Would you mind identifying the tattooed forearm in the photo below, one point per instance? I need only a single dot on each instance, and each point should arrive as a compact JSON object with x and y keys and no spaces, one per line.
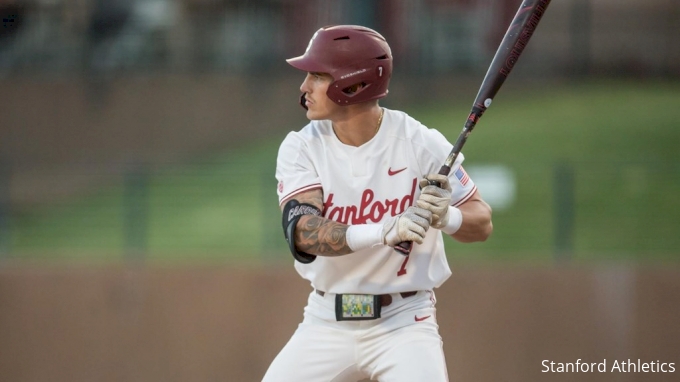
{"x":320,"y":236}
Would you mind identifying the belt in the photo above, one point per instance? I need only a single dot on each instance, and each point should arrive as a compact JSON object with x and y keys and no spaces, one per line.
{"x":385,"y":299}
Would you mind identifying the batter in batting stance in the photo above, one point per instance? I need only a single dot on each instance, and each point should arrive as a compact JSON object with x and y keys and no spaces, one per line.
{"x":350,"y":191}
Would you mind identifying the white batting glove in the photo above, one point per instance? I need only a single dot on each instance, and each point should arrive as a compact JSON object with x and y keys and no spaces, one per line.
{"x":436,"y":199}
{"x":411,"y":225}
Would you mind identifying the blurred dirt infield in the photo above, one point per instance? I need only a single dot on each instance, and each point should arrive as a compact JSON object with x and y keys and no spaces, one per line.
{"x":77,"y":323}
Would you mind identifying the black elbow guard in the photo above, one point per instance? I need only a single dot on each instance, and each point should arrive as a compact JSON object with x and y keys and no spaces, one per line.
{"x":292,"y":212}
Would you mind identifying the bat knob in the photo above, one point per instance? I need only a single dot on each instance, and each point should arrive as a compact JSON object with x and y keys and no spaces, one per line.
{"x":404,"y":247}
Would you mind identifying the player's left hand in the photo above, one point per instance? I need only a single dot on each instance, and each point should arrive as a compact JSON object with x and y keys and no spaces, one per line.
{"x":436,"y":199}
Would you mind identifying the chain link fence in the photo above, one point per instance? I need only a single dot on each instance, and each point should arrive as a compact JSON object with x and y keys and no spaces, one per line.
{"x":228,"y":211}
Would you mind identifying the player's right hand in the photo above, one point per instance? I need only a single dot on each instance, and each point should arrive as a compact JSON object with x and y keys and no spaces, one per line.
{"x":411,"y":225}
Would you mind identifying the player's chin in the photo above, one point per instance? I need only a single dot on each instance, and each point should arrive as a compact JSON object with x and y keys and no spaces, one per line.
{"x":315,"y":115}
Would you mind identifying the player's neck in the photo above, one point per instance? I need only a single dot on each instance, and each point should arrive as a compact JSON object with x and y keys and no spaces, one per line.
{"x":358,"y":125}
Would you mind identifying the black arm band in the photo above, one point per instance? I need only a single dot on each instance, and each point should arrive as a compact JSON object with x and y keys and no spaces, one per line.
{"x":292,"y":212}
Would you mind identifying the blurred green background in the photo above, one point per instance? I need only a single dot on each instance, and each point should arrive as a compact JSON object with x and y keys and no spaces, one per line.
{"x":608,"y":149}
{"x":148,"y":130}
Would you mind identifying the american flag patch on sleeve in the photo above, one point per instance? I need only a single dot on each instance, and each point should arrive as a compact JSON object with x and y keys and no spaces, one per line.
{"x":462,"y":176}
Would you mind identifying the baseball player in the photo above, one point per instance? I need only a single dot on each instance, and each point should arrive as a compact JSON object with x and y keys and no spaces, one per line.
{"x":352,"y":185}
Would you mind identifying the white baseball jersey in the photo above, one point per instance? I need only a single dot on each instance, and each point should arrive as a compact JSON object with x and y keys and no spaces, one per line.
{"x":367,"y":184}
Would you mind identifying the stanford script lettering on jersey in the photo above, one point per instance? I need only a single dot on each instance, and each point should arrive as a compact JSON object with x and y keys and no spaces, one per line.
{"x":369,"y":210}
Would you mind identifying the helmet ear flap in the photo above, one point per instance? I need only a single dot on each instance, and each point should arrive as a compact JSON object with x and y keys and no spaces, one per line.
{"x":347,"y":91}
{"x":350,"y":90}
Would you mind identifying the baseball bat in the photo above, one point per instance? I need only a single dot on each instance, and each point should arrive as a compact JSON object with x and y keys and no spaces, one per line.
{"x":516,"y":38}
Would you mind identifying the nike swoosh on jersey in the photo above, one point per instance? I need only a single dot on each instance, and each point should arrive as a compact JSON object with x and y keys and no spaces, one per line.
{"x":418,"y":319}
{"x":390,"y":172}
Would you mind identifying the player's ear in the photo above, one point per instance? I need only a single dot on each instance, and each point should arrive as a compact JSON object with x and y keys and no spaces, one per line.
{"x":354,"y":88}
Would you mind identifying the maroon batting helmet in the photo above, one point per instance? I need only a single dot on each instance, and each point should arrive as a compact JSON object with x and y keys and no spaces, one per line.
{"x":352,"y":55}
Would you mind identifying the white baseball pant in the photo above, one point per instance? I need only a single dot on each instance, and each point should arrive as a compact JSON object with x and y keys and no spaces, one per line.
{"x":403,"y":345}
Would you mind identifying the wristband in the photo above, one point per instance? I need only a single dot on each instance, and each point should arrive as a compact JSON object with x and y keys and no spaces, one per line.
{"x":362,"y":236}
{"x":455,"y":221}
